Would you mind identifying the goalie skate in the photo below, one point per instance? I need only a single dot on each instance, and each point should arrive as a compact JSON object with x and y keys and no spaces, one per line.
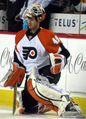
{"x":73,"y":110}
{"x":42,"y":109}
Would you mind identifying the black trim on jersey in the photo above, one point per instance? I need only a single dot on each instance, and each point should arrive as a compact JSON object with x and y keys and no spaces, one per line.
{"x":64,"y":51}
{"x":17,"y":61}
{"x":28,"y":32}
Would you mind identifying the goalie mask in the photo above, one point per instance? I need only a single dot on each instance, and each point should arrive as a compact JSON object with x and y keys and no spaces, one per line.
{"x":37,"y":12}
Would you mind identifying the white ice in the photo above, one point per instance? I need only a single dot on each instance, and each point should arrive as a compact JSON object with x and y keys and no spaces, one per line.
{"x":7,"y":114}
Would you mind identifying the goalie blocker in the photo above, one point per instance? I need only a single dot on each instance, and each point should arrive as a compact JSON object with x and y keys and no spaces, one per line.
{"x":14,"y":74}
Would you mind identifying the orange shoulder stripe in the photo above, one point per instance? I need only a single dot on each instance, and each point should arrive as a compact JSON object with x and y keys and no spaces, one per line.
{"x":19,"y":36}
{"x":46,"y":37}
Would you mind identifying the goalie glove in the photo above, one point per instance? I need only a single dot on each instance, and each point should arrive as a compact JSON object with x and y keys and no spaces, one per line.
{"x":57,"y":63}
{"x":14,"y":74}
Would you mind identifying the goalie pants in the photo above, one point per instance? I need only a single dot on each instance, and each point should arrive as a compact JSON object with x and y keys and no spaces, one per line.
{"x":29,"y":103}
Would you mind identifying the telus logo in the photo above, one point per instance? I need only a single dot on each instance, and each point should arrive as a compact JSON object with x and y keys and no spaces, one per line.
{"x":2,"y":19}
{"x":65,"y":22}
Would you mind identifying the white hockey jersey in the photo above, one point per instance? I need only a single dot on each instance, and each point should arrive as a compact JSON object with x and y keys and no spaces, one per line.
{"x":34,"y":51}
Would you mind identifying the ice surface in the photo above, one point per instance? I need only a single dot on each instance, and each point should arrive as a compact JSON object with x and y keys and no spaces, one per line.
{"x":7,"y":114}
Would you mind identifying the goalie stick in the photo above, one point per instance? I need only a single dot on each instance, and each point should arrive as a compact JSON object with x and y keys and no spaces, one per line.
{"x":14,"y":98}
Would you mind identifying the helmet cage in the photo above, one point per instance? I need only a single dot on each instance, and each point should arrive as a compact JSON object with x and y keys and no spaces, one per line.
{"x":37,"y":12}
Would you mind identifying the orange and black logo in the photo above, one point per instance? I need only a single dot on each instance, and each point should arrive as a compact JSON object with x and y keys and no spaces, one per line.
{"x":30,"y":52}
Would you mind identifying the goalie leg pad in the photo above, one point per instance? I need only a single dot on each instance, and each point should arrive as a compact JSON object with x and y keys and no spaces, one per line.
{"x":47,"y":94}
{"x":13,"y":75}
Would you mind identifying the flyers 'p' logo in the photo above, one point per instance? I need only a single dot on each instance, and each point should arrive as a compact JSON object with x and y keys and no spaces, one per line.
{"x":30,"y":52}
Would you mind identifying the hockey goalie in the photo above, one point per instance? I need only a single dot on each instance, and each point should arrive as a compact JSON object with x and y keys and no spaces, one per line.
{"x":41,"y":55}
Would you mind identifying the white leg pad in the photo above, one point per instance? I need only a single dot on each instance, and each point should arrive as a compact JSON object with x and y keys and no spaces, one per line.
{"x":48,"y":94}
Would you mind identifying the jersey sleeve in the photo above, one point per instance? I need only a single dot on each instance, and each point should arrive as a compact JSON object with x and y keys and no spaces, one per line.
{"x":49,"y":40}
{"x":17,"y":57}
{"x":18,"y":37}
